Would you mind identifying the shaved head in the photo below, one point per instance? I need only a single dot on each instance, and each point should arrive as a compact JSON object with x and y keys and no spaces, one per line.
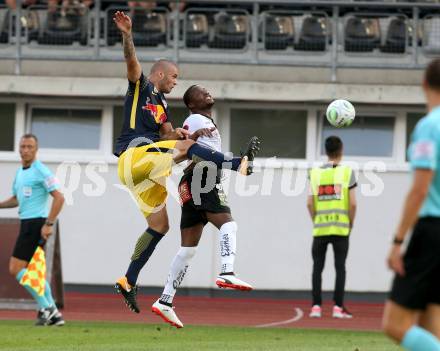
{"x":163,"y":75}
{"x":162,"y":66}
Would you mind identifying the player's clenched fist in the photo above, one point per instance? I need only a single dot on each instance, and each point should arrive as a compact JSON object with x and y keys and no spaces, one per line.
{"x":123,"y":22}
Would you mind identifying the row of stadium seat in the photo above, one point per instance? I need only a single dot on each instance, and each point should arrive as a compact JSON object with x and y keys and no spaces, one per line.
{"x":226,"y":30}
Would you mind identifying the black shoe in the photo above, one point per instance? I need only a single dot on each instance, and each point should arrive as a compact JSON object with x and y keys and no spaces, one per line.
{"x":57,"y":319}
{"x":122,"y":287}
{"x":248,"y":156}
{"x":44,"y":316}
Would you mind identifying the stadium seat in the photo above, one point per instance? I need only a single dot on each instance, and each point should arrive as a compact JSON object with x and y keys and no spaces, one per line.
{"x":64,"y":27}
{"x":314,"y":34}
{"x":431,"y":34}
{"x":230,"y":31}
{"x":361,"y":34}
{"x":396,"y":37}
{"x":279,"y":32}
{"x":196,"y":30}
{"x":149,"y":28}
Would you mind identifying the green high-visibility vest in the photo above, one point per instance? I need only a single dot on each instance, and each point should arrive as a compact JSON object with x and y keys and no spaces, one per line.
{"x":330,"y":188}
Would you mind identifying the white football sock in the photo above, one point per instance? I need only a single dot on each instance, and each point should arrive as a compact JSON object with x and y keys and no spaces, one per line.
{"x":228,"y":246}
{"x":177,"y":272}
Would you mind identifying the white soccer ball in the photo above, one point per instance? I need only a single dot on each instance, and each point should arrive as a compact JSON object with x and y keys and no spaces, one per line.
{"x":340,"y":113}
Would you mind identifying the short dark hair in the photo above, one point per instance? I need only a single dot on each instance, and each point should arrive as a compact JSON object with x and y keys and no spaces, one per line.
{"x":333,"y":146}
{"x":30,"y":136}
{"x":432,"y":75}
{"x":188,"y":95}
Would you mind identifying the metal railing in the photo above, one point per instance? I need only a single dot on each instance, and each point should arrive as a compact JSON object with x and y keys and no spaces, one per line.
{"x":308,"y":33}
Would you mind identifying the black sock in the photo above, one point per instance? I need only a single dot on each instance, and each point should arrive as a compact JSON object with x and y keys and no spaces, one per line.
{"x":144,"y":248}
{"x":199,"y":153}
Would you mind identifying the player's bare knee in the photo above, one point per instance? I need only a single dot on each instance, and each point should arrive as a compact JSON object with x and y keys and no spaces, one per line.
{"x":190,"y":242}
{"x":162,"y":228}
{"x":394,"y":330}
{"x":14,"y":268}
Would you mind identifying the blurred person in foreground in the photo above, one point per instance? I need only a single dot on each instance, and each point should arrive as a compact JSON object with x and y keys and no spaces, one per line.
{"x":412,"y":312}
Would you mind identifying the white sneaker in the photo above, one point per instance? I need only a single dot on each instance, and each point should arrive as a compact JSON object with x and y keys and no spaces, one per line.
{"x":167,"y":313}
{"x":341,"y":312}
{"x":315,"y":312}
{"x":230,"y":281}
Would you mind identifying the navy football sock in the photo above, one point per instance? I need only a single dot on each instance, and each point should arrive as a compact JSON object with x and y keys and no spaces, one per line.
{"x":198,"y":153}
{"x":144,"y":248}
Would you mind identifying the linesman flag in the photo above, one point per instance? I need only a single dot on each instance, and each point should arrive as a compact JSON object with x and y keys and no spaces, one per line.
{"x":35,"y":275}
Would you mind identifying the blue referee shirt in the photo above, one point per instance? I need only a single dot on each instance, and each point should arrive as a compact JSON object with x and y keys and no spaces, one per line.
{"x":31,"y":188}
{"x":424,"y":153}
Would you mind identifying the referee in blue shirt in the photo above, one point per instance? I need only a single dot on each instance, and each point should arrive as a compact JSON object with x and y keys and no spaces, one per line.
{"x":412,"y":313}
{"x":30,"y":191}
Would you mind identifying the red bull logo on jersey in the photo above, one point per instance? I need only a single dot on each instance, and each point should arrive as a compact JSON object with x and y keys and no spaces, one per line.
{"x":157,"y":111}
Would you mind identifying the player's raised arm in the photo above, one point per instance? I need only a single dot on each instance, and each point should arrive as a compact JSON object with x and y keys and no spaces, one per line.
{"x":134,"y":69}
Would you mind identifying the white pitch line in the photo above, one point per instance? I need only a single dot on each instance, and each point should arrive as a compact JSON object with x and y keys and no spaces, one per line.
{"x":298,"y":316}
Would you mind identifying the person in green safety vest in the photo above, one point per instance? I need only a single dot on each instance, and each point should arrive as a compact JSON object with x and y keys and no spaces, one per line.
{"x":332,"y":207}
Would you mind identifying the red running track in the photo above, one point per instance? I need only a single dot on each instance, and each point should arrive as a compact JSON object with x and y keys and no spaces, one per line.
{"x":213,"y":311}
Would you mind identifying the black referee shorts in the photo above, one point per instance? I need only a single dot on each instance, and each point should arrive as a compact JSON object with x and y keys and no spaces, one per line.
{"x":420,"y":285}
{"x":28,"y":238}
{"x":213,"y":201}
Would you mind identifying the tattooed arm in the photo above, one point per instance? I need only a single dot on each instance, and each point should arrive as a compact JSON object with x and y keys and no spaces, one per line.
{"x":134,"y":69}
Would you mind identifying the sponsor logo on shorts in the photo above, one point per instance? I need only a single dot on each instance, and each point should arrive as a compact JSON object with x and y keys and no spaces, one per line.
{"x":184,"y":192}
{"x":221,"y":195}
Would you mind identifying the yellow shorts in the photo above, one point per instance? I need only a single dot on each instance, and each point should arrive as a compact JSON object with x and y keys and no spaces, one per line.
{"x":143,"y":170}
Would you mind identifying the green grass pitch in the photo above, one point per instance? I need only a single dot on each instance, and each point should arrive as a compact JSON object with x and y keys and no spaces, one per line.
{"x":106,"y":336}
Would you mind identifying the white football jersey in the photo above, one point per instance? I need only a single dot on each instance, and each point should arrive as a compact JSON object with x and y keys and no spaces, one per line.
{"x":195,"y":122}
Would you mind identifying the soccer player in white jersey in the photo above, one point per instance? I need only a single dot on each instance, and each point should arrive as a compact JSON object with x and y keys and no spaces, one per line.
{"x":200,"y":207}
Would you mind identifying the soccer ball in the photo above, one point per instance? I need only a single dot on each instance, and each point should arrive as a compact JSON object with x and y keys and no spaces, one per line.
{"x":340,"y":113}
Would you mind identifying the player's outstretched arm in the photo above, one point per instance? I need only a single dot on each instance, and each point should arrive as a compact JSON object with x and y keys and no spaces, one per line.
{"x":9,"y":203}
{"x":134,"y":69}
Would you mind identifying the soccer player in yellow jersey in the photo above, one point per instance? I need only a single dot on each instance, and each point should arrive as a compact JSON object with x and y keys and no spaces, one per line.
{"x":148,"y":146}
